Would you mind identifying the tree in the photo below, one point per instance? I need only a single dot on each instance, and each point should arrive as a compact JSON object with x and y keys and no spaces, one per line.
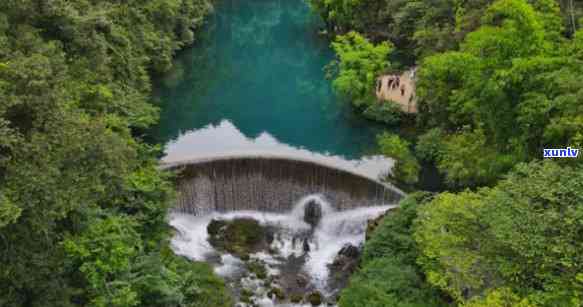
{"x":516,"y":243}
{"x":406,"y":167}
{"x":504,"y":96}
{"x":82,"y":203}
{"x":389,"y":275}
{"x":466,"y":160}
{"x":359,"y":64}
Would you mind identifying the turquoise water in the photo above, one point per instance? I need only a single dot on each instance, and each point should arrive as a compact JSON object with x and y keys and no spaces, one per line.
{"x":256,"y":77}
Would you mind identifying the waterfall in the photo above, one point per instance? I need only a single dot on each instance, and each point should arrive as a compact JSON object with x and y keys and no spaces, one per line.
{"x":287,"y":258}
{"x":272,"y":184}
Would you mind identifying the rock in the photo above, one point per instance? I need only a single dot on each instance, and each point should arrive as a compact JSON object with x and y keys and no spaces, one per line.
{"x":372,"y":224}
{"x":258,"y":268}
{"x":296,"y":298}
{"x":312,"y":213}
{"x":302,"y":280}
{"x":215,"y":227}
{"x":345,"y":263}
{"x":276,"y":293}
{"x":315,"y":298}
{"x":346,"y":260}
{"x":240,"y":236}
{"x":350,"y":251}
{"x":306,"y":246}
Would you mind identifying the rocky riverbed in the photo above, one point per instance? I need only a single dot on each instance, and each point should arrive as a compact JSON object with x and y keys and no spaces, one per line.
{"x":301,"y":258}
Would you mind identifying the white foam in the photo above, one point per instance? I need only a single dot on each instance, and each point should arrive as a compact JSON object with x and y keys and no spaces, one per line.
{"x":335,"y":229}
{"x":191,"y":237}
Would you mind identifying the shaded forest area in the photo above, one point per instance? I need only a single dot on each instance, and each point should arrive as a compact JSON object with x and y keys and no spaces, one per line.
{"x":82,"y":204}
{"x":498,"y":81}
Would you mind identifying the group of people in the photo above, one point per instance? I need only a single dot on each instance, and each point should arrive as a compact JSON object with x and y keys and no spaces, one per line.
{"x":393,"y":82}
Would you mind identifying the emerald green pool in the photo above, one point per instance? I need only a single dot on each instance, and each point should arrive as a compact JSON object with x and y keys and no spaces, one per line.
{"x":255,"y":78}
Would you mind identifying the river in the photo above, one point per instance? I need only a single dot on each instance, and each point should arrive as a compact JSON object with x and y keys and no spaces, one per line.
{"x":256,"y":77}
{"x":254,"y":83}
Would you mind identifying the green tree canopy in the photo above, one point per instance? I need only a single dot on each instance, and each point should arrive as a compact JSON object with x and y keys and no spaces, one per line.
{"x":517,"y":242}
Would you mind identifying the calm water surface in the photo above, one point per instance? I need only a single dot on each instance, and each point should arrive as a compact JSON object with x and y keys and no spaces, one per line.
{"x":255,"y":79}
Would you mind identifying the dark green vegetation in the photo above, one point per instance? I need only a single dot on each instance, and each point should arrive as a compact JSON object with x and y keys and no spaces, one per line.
{"x":82,"y":205}
{"x":498,"y":81}
{"x":504,"y":86}
{"x":516,"y":244}
{"x":314,"y":298}
{"x":389,"y":275}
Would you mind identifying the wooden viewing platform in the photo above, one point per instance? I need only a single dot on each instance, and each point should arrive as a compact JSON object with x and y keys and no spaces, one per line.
{"x":408,"y":101}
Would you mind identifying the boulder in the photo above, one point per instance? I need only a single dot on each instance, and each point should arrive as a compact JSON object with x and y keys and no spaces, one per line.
{"x":306,"y":246}
{"x":315,"y":298}
{"x":350,"y":251}
{"x":296,"y":298}
{"x":302,"y":280}
{"x":347,"y":259}
{"x":345,"y":263}
{"x":239,"y":236}
{"x":276,"y":293}
{"x":312,"y":213}
{"x":372,"y":224}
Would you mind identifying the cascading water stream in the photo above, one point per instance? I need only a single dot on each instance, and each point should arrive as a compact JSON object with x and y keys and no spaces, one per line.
{"x":252,"y":127}
{"x":298,"y":248}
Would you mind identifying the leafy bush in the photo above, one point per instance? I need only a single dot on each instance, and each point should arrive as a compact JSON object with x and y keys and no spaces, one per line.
{"x":389,"y":275}
{"x":517,"y":242}
{"x":385,"y":112}
{"x":406,"y":168}
{"x":359,"y":63}
{"x":82,"y":203}
{"x":429,"y":145}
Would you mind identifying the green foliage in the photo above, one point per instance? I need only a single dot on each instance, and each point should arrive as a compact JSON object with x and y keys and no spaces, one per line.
{"x":516,"y":243}
{"x":429,"y":145}
{"x":508,"y":93}
{"x":240,"y":236}
{"x":385,"y":112}
{"x":106,"y":251}
{"x":392,"y":238}
{"x":199,"y":286}
{"x":9,"y":212}
{"x":420,"y":28}
{"x":82,"y":204}
{"x":406,"y":168}
{"x":389,"y":275}
{"x":359,"y":64}
{"x":466,"y":160}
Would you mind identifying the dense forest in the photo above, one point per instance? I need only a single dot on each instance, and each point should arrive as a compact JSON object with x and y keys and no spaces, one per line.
{"x":498,"y":81}
{"x":82,"y":204}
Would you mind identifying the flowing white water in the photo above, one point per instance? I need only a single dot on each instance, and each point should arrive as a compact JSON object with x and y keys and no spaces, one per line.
{"x":335,"y":229}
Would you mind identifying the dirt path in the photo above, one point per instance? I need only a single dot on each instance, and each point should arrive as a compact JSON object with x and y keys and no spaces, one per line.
{"x":386,"y":94}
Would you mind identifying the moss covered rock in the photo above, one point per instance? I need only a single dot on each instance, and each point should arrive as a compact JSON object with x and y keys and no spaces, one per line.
{"x":258,"y":268}
{"x":239,"y":236}
{"x":246,"y":295}
{"x":315,"y":298}
{"x":296,"y":298}
{"x":277,"y":293}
